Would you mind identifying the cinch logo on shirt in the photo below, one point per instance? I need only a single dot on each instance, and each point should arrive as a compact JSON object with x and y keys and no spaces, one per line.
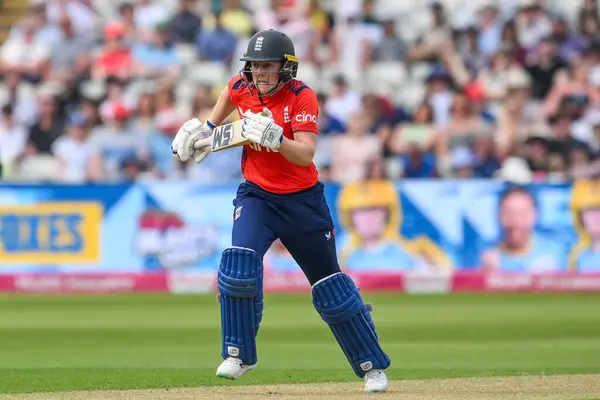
{"x":304,"y":117}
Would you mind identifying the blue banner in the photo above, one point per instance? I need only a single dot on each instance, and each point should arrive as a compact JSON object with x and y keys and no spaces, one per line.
{"x":380,"y":226}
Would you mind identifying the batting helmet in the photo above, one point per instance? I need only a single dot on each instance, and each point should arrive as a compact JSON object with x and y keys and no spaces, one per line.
{"x":271,"y":45}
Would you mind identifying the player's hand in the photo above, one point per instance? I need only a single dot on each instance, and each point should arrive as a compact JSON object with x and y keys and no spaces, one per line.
{"x":192,"y":141}
{"x":262,"y":129}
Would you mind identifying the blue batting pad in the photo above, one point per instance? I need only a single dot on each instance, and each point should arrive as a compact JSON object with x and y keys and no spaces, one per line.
{"x":241,"y":297}
{"x":338,"y":301}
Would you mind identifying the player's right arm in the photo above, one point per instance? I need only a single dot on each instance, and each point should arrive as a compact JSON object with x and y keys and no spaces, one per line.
{"x":223,"y":108}
{"x":193,"y":140}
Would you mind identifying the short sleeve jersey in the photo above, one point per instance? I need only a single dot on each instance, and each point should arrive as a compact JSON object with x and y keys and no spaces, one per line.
{"x":295,"y":108}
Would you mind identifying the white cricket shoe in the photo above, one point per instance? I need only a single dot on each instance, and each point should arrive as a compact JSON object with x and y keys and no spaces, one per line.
{"x":376,"y":381}
{"x":233,"y":368}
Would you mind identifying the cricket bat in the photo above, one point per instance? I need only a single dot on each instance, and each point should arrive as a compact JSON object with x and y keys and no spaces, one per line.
{"x":229,"y":135}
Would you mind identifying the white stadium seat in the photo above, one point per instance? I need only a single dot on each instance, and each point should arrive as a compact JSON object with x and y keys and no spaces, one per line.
{"x":209,"y":72}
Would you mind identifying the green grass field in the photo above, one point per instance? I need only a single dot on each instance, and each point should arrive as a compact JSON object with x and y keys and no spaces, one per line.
{"x":56,"y":343}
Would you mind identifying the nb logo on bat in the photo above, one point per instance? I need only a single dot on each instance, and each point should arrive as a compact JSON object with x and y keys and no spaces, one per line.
{"x":222,"y":136}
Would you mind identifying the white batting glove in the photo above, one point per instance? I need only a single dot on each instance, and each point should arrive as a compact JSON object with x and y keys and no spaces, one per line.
{"x":192,"y":141}
{"x":262,"y":129}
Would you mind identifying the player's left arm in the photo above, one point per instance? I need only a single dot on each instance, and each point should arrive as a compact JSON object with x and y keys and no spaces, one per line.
{"x":301,"y":150}
{"x":305,"y":112}
{"x":262,"y":129}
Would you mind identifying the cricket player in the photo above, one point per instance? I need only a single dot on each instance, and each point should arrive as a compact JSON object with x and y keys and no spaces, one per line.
{"x":281,"y":198}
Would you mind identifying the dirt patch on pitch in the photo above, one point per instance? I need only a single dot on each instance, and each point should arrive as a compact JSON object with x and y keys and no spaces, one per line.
{"x":563,"y":387}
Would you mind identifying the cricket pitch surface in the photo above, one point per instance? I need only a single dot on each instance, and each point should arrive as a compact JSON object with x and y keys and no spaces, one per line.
{"x":549,"y":387}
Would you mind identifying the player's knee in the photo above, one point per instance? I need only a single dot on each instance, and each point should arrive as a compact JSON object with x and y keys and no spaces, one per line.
{"x":240,"y":273}
{"x":337,"y":298}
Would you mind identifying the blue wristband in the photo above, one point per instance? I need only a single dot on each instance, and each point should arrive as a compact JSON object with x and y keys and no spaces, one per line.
{"x":210,"y":124}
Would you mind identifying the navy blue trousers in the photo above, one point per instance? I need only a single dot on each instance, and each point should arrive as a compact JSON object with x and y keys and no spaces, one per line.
{"x":301,"y":220}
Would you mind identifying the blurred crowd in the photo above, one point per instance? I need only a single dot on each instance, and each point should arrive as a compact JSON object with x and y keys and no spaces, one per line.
{"x":93,"y":91}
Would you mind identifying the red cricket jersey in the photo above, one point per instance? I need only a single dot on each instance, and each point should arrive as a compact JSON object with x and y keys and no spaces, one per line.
{"x":295,"y":108}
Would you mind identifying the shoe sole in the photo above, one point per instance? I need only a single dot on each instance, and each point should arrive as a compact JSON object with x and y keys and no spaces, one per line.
{"x":376,"y":391}
{"x":225,"y":375}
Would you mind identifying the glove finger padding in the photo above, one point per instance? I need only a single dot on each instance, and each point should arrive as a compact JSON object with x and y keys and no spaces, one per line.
{"x":185,"y":149}
{"x":203,"y":143}
{"x":267,"y":113}
{"x":202,"y":149}
{"x":200,"y":155}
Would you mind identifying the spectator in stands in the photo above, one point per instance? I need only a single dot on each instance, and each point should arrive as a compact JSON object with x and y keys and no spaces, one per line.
{"x":378,"y":113}
{"x":486,"y":159}
{"x":585,"y":163}
{"x":352,"y":151}
{"x":293,"y":19}
{"x":234,"y":18}
{"x":468,"y":49}
{"x":55,"y":43}
{"x":159,"y":142}
{"x":148,"y":14}
{"x":203,"y":102}
{"x":320,"y":19}
{"x":517,"y":119}
{"x":48,"y":127}
{"x":489,"y":30}
{"x":376,"y":170}
{"x":114,"y":143}
{"x":218,"y":44}
{"x":510,"y":42}
{"x":420,"y":132}
{"x":46,"y":32}
{"x":439,"y":95}
{"x":114,"y":59}
{"x":572,"y":85}
{"x":343,"y":100}
{"x":435,"y":38}
{"x":144,"y":116}
{"x":462,"y":161}
{"x":464,"y":129}
{"x":415,"y":164}
{"x":370,"y":24}
{"x":185,"y":24}
{"x":156,"y":58}
{"x":21,"y":97}
{"x":24,"y":54}
{"x":74,"y":151}
{"x":390,"y":48}
{"x":13,"y":137}
{"x":495,"y":79}
{"x":571,"y":46}
{"x":132,"y":169}
{"x":532,"y":23}
{"x":542,"y":66}
{"x":351,"y":45}
{"x":535,"y":151}
{"x":115,"y":95}
{"x":127,"y":13}
{"x":409,"y":148}
{"x":82,"y":15}
{"x":476,"y":96}
{"x":69,"y":59}
{"x":562,"y":141}
{"x":90,"y":110}
{"x":590,"y":28}
{"x":165,"y":98}
{"x":326,"y":122}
